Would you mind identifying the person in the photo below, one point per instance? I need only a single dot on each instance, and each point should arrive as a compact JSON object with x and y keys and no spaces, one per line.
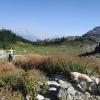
{"x":10,"y":55}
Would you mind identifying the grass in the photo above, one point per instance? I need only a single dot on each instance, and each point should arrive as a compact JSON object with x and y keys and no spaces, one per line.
{"x":23,"y":75}
{"x":23,"y":49}
{"x":59,"y":64}
{"x":15,"y":83}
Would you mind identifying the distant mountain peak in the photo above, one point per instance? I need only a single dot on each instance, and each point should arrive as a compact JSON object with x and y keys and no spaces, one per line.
{"x":97,"y":28}
{"x":94,"y":34}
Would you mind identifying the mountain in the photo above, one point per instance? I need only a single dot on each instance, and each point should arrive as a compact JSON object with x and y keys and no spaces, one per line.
{"x":8,"y":38}
{"x":93,"y":34}
{"x":30,"y":37}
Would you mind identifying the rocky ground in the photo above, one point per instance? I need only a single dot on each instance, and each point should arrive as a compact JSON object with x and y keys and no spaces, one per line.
{"x":59,"y":88}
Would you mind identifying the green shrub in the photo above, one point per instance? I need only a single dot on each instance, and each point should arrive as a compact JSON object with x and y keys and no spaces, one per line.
{"x":24,"y":65}
{"x":8,"y":95}
{"x":24,"y":82}
{"x":1,"y":83}
{"x":58,"y":66}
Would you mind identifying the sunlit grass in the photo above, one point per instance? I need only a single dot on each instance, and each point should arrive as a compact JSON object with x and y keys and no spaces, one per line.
{"x":58,"y":63}
{"x":47,"y":50}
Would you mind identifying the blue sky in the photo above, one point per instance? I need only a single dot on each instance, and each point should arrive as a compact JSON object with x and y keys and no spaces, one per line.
{"x":49,"y":18}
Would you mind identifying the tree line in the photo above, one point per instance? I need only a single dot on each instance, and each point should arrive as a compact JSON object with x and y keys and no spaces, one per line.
{"x":7,"y":38}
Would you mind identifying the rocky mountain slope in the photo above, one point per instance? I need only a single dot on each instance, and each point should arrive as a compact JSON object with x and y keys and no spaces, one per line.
{"x":93,"y":34}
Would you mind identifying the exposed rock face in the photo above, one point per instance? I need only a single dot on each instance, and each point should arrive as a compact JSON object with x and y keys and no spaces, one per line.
{"x":2,"y":54}
{"x":62,"y":89}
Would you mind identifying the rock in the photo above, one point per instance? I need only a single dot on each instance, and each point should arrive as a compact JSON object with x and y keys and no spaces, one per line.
{"x":64,"y":84}
{"x":2,"y":54}
{"x":52,"y":83}
{"x":46,"y":98}
{"x":95,"y":80}
{"x":27,"y":97}
{"x":62,"y":89}
{"x":93,"y":88}
{"x":86,"y":96}
{"x":99,"y":87}
{"x":83,"y":85}
{"x":60,"y":77}
{"x":53,"y":89}
{"x":39,"y":97}
{"x":69,"y":94}
{"x":71,"y":90}
{"x":62,"y":95}
{"x":98,"y":97}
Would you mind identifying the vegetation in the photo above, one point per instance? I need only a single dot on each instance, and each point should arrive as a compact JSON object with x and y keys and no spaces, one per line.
{"x":15,"y":83}
{"x":56,"y":46}
{"x":17,"y":79}
{"x":8,"y":38}
{"x":59,"y":64}
{"x":23,"y":49}
{"x":58,"y":56}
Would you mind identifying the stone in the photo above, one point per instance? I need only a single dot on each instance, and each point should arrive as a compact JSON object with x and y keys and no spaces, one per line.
{"x":83,"y":85}
{"x":52,"y":83}
{"x":46,"y":98}
{"x":2,"y":54}
{"x":62,"y":95}
{"x":98,"y":97}
{"x":99,"y":87}
{"x":62,"y":89}
{"x":39,"y":97}
{"x":93,"y":88}
{"x":86,"y":96}
{"x":64,"y":84}
{"x":27,"y":97}
{"x":95,"y":80}
{"x":53,"y":89}
{"x":71,"y":90}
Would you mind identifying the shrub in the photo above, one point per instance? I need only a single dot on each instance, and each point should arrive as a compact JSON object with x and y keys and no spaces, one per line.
{"x":59,"y":64}
{"x":8,"y":95}
{"x":24,"y":82}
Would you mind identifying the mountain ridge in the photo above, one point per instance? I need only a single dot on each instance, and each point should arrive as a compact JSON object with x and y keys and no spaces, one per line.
{"x":93,"y":34}
{"x":7,"y":38}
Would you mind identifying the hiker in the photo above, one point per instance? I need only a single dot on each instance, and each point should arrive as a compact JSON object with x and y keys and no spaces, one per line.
{"x":10,"y":55}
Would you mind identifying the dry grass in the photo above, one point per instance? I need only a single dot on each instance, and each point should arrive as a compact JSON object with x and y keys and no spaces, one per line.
{"x":14,"y":79}
{"x":6,"y":67}
{"x":26,"y":82}
{"x":74,"y":63}
{"x":92,"y":62}
{"x":36,"y":59}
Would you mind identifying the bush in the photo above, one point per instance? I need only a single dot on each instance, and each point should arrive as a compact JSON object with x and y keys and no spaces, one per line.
{"x":58,"y":66}
{"x":24,"y":82}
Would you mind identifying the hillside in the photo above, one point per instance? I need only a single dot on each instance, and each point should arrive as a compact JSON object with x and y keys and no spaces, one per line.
{"x":93,"y":34}
{"x":8,"y":38}
{"x":72,"y":45}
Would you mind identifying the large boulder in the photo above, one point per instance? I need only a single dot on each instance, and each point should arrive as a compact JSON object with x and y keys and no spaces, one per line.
{"x":39,"y":97}
{"x":2,"y":54}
